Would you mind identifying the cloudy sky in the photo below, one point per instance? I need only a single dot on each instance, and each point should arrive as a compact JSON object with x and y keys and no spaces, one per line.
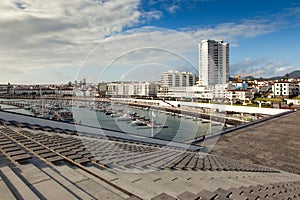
{"x":57,"y":41}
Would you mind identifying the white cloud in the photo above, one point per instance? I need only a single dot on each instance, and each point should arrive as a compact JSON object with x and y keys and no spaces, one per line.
{"x":151,"y":15}
{"x":247,"y":59}
{"x":36,"y":35}
{"x":39,"y":34}
{"x":141,"y":48}
{"x":261,"y":68}
{"x":232,"y":32}
{"x":172,"y":6}
{"x":173,"y":9}
{"x":284,"y":68}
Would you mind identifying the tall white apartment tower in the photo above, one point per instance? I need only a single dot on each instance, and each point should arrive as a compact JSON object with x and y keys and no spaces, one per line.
{"x":213,"y":62}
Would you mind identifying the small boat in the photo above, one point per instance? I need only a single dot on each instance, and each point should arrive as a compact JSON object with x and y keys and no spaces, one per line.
{"x":27,"y":107}
{"x":156,"y":126}
{"x":146,"y":108}
{"x":125,"y":117}
{"x":188,"y":117}
{"x":197,"y":119}
{"x":132,"y":114}
{"x":65,"y":116}
{"x":138,"y":123}
{"x":108,"y":112}
{"x":116,"y":115}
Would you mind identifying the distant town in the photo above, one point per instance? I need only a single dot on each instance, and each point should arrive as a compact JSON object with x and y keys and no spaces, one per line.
{"x":213,"y":84}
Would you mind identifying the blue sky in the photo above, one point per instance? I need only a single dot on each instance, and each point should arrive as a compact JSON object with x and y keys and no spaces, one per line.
{"x":56,"y":41}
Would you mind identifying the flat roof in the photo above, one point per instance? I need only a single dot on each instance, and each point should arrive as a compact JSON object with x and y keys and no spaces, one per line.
{"x":274,"y":143}
{"x":45,"y":162}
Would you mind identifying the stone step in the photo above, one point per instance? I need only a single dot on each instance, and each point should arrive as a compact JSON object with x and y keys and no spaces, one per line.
{"x":42,"y":180}
{"x":5,"y":193}
{"x":64,"y":179}
{"x":17,"y":186}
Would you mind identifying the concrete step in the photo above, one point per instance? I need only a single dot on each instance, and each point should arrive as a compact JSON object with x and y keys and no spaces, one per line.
{"x":16,"y":185}
{"x":64,"y":180}
{"x":42,"y":181}
{"x":100,"y":189}
{"x":5,"y":192}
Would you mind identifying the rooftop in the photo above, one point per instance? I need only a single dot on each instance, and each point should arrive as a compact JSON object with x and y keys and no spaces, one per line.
{"x":43,"y":162}
{"x":274,"y":143}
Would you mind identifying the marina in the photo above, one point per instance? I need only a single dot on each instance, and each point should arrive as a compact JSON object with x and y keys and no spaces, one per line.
{"x":158,"y":119}
{"x":54,"y":156}
{"x":129,"y":119}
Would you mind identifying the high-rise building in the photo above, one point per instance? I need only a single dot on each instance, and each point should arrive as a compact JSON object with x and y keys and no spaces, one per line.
{"x":177,"y":79}
{"x":213,"y":62}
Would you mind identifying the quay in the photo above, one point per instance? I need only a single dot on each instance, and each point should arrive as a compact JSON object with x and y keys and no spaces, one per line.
{"x":213,"y":112}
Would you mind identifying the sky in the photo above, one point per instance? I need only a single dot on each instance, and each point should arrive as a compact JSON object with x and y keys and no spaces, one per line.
{"x":120,"y":40}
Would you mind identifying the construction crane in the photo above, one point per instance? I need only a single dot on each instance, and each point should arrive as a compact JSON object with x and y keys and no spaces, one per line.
{"x":239,"y":76}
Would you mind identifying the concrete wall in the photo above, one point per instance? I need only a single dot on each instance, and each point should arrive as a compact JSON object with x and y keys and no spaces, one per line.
{"x":240,"y":109}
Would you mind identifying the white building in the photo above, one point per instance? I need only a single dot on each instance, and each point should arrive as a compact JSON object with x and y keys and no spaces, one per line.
{"x":132,"y":89}
{"x":213,"y":62}
{"x":177,"y":79}
{"x":239,"y":95}
{"x":285,"y":89}
{"x":174,"y":83}
{"x":219,"y":91}
{"x":4,"y":89}
{"x":199,"y":92}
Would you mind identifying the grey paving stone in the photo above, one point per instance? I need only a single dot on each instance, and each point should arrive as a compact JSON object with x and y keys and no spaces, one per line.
{"x":163,"y":196}
{"x":187,"y":196}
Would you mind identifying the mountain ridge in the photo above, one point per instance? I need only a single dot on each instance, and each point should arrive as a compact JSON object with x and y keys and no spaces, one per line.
{"x":293,"y":74}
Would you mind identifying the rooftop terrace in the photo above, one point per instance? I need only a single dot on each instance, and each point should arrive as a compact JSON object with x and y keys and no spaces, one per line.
{"x":274,"y":143}
{"x":42,"y":162}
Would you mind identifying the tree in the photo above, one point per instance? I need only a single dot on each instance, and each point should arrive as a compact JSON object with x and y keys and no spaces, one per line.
{"x":287,"y":76}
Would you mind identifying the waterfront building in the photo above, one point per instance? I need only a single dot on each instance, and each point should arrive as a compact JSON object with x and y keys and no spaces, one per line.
{"x":285,"y":89}
{"x":242,"y":96}
{"x":132,"y":89}
{"x":177,"y":79}
{"x":30,"y":90}
{"x":4,"y":89}
{"x":174,"y":83}
{"x":213,"y":62}
{"x":190,"y":92}
{"x":219,"y":91}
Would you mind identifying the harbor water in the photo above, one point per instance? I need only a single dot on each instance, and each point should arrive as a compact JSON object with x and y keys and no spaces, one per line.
{"x":172,"y":127}
{"x":168,"y":126}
